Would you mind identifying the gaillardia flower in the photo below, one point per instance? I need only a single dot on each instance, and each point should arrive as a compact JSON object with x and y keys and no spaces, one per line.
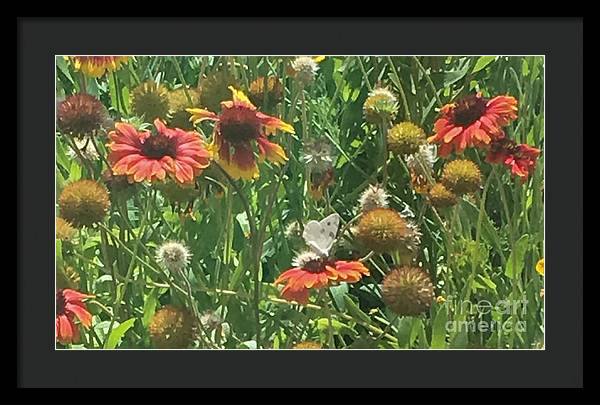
{"x":172,"y":328}
{"x":381,"y":106}
{"x":386,"y":230}
{"x":96,"y":66}
{"x":313,"y":271}
{"x":240,"y":128}
{"x":520,"y":159}
{"x":539,"y":267}
{"x":80,"y":114}
{"x":408,"y":291}
{"x":84,"y":202}
{"x":461,"y":176}
{"x":266,"y":92}
{"x":373,"y":197}
{"x":173,"y":255}
{"x":178,"y":102}
{"x":405,"y":138}
{"x":150,"y":100}
{"x":440,"y":197}
{"x":64,"y":230}
{"x":145,"y":156}
{"x":472,"y":121}
{"x":69,"y":305}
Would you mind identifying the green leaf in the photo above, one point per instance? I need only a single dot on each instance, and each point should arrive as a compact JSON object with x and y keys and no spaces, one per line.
{"x":517,"y":257}
{"x":438,"y":333}
{"x":150,"y":306}
{"x":452,"y":77}
{"x":117,"y":333}
{"x":339,"y":292}
{"x":338,"y":327}
{"x":355,"y":311}
{"x":75,"y":172}
{"x":404,"y":331}
{"x":482,"y":62}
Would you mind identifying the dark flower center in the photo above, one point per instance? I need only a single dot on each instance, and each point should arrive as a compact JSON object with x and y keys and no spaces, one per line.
{"x":158,"y":146}
{"x":469,"y":109}
{"x":60,"y":302}
{"x":239,"y":125}
{"x":318,"y":265}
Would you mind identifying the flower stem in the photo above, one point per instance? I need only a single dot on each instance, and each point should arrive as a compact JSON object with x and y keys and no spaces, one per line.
{"x":402,"y":94}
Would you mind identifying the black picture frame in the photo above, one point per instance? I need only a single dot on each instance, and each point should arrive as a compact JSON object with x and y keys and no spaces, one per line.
{"x":559,"y":365}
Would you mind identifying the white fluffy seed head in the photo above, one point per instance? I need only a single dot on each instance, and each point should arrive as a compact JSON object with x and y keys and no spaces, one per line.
{"x":86,"y":148}
{"x":318,"y":155}
{"x":303,"y":259}
{"x":305,"y":69}
{"x":422,"y":162}
{"x":373,"y":197}
{"x":173,"y":255}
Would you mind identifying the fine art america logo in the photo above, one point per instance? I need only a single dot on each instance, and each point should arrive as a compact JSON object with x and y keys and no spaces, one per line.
{"x":504,"y":316}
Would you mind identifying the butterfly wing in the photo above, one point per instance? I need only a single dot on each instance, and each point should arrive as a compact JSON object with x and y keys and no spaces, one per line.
{"x":321,"y":235}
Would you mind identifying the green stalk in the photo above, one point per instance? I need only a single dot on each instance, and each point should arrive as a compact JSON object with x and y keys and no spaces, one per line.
{"x":400,"y":88}
{"x":120,"y":294}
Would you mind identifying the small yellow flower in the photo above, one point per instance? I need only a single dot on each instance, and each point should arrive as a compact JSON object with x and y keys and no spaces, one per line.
{"x":539,"y":267}
{"x":440,"y":299}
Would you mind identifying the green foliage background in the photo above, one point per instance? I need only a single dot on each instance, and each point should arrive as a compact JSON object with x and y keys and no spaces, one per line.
{"x":481,"y":255}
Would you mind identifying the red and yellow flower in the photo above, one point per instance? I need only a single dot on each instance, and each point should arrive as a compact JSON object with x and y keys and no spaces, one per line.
{"x":472,"y":121}
{"x":313,"y":271}
{"x":240,"y":132}
{"x":142,"y":155}
{"x":70,"y":305}
{"x":96,"y":66}
{"x":520,"y":158}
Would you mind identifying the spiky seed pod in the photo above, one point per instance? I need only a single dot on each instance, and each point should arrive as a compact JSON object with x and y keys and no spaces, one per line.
{"x":440,"y":197}
{"x":304,"y":69}
{"x":385,"y":230}
{"x":214,"y":88}
{"x":307,"y":345}
{"x":405,"y":138}
{"x":373,"y":197}
{"x":171,"y":328}
{"x":84,"y":202}
{"x":461,"y":176}
{"x":408,"y":291}
{"x":119,"y":186}
{"x":150,"y":101}
{"x":318,"y":155}
{"x":178,"y":193}
{"x":80,"y":114}
{"x":64,"y":230}
{"x":173,"y":255}
{"x":381,"y":106}
{"x":178,"y":102}
{"x":273,"y":92}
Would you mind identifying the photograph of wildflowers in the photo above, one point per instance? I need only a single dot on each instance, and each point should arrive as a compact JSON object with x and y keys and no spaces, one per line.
{"x":299,"y":202}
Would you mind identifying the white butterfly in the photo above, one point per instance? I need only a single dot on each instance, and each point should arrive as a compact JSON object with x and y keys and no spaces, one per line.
{"x":320,"y":235}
